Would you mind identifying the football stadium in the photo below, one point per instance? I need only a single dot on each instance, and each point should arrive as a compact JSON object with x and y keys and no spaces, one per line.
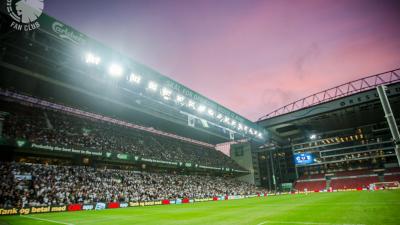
{"x":89,"y":135}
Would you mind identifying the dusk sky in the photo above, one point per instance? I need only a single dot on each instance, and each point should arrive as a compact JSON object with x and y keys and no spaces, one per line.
{"x":250,"y":56}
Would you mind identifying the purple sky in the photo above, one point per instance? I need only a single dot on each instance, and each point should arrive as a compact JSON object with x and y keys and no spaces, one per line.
{"x":250,"y":56}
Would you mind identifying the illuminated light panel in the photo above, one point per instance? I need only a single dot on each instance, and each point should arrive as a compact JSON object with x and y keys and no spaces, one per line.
{"x":201,"y":108}
{"x":133,"y":78}
{"x":240,"y":126}
{"x":226,"y":120}
{"x":166,"y":93}
{"x":219,"y":116}
{"x":191,"y":104}
{"x":92,"y":59}
{"x":152,"y":86}
{"x":210,"y":112}
{"x":313,"y":136}
{"x":233,"y":123}
{"x":180,"y":99}
{"x":115,"y":70}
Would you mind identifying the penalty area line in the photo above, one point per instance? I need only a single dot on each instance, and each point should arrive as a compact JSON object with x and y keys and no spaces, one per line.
{"x":303,"y":223}
{"x":47,"y":220}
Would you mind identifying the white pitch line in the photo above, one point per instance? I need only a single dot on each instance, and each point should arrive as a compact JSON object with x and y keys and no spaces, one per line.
{"x":47,"y":220}
{"x":294,"y":222}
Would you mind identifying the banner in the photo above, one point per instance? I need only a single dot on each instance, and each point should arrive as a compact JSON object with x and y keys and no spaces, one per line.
{"x":123,"y":205}
{"x":32,"y":210}
{"x":75,"y":207}
{"x":113,"y":205}
{"x":100,"y":206}
{"x":88,"y":207}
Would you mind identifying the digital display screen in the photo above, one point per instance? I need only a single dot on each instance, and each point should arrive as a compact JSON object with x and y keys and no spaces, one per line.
{"x":303,"y":158}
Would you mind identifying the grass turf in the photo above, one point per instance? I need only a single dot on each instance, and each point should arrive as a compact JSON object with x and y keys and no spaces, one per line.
{"x":378,"y":208}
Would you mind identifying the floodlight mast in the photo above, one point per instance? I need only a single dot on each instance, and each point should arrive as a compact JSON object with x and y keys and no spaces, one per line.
{"x":390,"y":119}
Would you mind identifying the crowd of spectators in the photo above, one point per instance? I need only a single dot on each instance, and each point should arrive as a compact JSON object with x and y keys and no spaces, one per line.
{"x":25,"y":185}
{"x":48,"y":127}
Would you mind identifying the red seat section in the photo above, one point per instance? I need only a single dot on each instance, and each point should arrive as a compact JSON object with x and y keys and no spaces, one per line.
{"x":353,"y":183}
{"x":393,"y":170}
{"x":392,"y":178}
{"x":311,"y":185}
{"x":353,"y":173}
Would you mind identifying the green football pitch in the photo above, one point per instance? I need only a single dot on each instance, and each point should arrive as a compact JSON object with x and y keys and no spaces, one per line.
{"x":346,"y":208}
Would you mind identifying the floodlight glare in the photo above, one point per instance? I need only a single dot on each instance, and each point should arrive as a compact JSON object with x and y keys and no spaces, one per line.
{"x":210,"y":112}
{"x":180,"y":99}
{"x":192,"y":104}
{"x":133,"y":78}
{"x":115,"y":70}
{"x":260,"y":135}
{"x":251,"y":131}
{"x":233,"y":123}
{"x":240,"y":126}
{"x":226,"y":120}
{"x":166,"y":93}
{"x":245,"y":128}
{"x":201,"y":108}
{"x":92,"y":59}
{"x":152,"y":86}
{"x":313,"y":136}
{"x":219,"y":116}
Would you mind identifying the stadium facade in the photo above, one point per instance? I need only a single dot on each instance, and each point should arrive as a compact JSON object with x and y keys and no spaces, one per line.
{"x":338,"y":132}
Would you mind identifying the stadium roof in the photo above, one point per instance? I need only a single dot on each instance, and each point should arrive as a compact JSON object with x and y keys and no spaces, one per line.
{"x":355,"y":104}
{"x":140,"y":88}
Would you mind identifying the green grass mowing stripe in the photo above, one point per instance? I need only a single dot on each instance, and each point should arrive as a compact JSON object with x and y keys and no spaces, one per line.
{"x":370,"y":208}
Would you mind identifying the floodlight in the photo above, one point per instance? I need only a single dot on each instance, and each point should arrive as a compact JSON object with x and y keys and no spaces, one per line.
{"x":240,"y":126}
{"x":152,"y":86}
{"x":192,"y":104}
{"x":226,"y":120}
{"x":180,"y":99}
{"x":219,"y":116}
{"x":251,"y":131}
{"x":245,"y":128}
{"x":92,"y":59}
{"x":260,"y":135}
{"x":233,"y":123}
{"x":133,"y":78}
{"x":166,"y":93}
{"x":313,"y":136}
{"x":115,"y":70}
{"x":210,"y":112}
{"x":201,"y":108}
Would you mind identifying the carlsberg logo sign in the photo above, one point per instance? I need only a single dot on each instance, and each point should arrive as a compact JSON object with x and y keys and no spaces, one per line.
{"x":64,"y":32}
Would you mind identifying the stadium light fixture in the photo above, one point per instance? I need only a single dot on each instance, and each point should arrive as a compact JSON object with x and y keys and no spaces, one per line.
{"x":92,"y":59}
{"x":191,"y":104}
{"x":115,"y":70}
{"x":210,"y":112}
{"x":313,"y":136}
{"x":201,"y":108}
{"x":220,"y":116}
{"x":133,"y":78}
{"x":233,"y":123}
{"x":152,"y":86}
{"x":180,"y":99}
{"x":240,"y":126}
{"x":166,"y":93}
{"x":226,"y":120}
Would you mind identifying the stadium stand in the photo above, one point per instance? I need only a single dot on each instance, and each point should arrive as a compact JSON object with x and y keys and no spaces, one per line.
{"x":317,"y":186}
{"x":353,"y":183}
{"x":26,"y":185}
{"x":48,"y":127}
